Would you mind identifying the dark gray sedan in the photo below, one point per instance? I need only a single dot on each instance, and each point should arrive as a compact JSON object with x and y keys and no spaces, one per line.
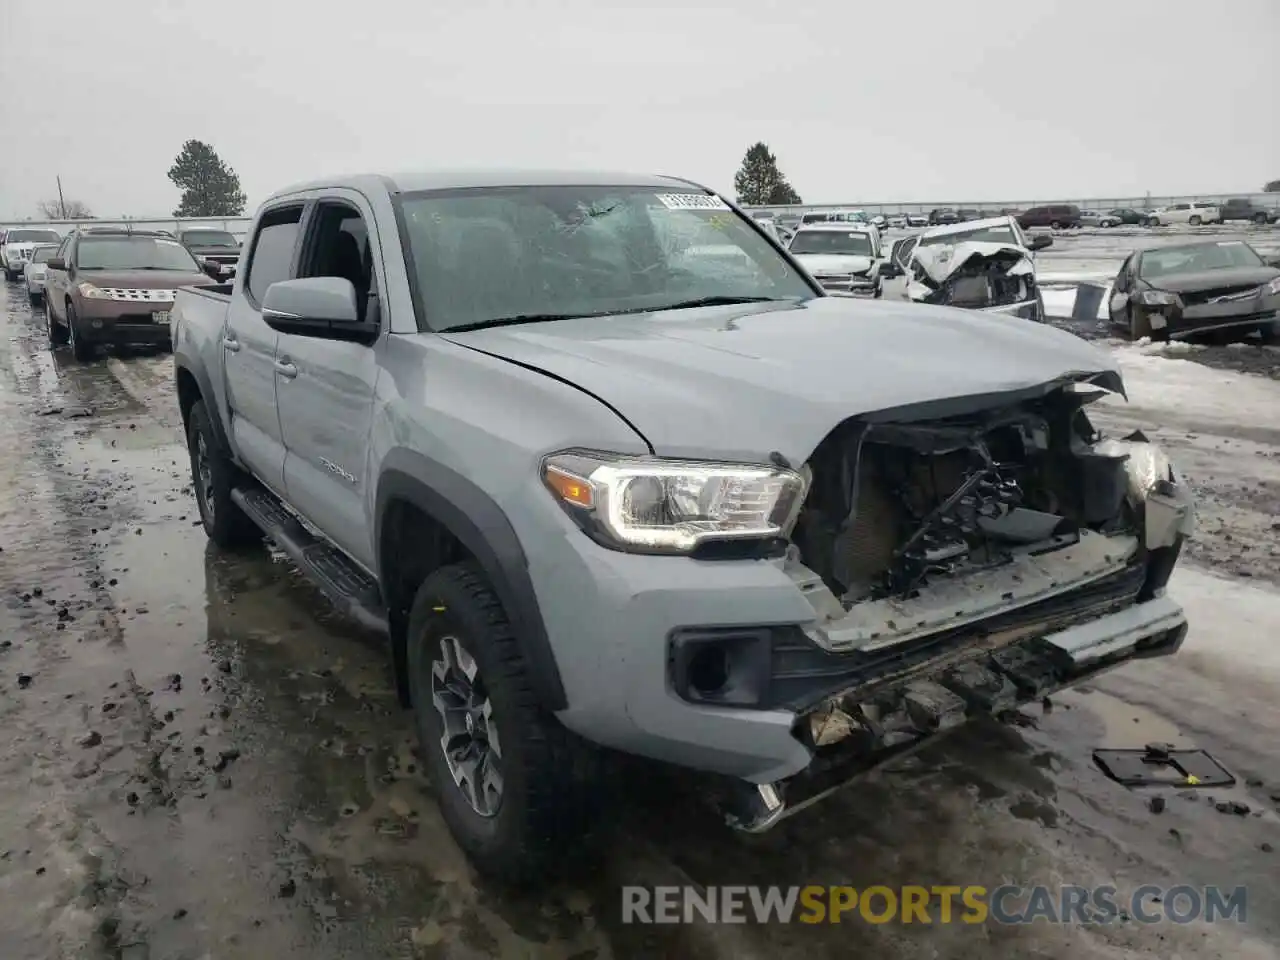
{"x":1217,"y":286}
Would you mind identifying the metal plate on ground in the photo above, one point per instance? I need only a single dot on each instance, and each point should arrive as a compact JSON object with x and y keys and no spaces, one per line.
{"x":1161,"y":766}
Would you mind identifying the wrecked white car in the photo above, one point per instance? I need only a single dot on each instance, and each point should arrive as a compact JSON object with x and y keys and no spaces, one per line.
{"x":842,"y":257}
{"x":980,"y":265}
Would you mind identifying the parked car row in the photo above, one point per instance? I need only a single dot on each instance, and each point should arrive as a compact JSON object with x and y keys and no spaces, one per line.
{"x":1060,"y":216}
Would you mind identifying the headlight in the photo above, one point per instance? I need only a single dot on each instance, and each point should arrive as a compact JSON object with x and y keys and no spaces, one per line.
{"x":1146,"y":467}
{"x":650,"y":505}
{"x":1273,"y":287}
{"x":90,"y":292}
{"x":1158,"y":298}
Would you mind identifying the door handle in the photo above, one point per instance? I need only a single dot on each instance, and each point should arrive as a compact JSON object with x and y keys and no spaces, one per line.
{"x":286,"y":369}
{"x":231,"y":343}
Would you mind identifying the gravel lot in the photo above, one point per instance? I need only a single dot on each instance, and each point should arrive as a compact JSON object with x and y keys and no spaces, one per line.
{"x":199,"y":759}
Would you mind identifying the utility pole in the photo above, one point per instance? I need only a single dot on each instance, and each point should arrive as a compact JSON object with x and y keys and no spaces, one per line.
{"x":62,"y":204}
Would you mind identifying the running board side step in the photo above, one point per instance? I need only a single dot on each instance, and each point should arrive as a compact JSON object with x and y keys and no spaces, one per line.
{"x":347,"y":587}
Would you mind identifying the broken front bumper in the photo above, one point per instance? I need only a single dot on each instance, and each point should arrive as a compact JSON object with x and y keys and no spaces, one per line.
{"x":902,"y":718}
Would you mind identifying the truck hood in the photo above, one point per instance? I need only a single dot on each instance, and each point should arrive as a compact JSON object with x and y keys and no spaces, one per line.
{"x":743,"y":382}
{"x":826,"y":263}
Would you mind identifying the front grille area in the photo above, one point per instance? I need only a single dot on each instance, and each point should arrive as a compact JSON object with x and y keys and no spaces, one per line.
{"x":1239,"y":291}
{"x":144,"y":296}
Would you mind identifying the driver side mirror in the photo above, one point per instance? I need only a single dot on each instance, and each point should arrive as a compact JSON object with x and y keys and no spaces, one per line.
{"x":56,"y":263}
{"x":1040,"y":242}
{"x":889,"y":270}
{"x":322,"y":307}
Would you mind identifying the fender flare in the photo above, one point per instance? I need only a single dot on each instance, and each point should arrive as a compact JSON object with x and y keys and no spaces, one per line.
{"x":480,"y":525}
{"x":181,"y":363}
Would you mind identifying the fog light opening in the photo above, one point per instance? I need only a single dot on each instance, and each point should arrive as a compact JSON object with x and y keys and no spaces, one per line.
{"x":709,"y":670}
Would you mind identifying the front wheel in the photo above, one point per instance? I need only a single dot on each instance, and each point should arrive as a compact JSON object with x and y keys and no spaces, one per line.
{"x":1153,"y":221}
{"x":57,"y":332}
{"x":1195,"y":221}
{"x":213,"y":477}
{"x":1055,"y":225}
{"x":1140,"y":326}
{"x":33,"y":298}
{"x":81,"y":349}
{"x":514,"y":786}
{"x":1269,"y":333}
{"x":1260,"y":219}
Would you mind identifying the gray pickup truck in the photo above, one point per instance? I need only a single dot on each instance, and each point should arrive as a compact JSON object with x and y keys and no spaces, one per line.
{"x":604,"y":491}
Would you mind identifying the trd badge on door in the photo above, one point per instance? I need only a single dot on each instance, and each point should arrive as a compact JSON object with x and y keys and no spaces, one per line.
{"x":334,"y":468}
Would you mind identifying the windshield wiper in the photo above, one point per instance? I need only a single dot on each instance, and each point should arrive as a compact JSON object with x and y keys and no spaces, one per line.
{"x":517,"y":320}
{"x":716,"y":301}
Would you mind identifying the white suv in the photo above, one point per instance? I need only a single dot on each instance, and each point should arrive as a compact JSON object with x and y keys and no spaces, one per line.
{"x":1190,"y":213}
{"x":16,"y":245}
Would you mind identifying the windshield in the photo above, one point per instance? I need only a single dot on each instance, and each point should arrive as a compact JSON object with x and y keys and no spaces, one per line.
{"x":831,"y":241}
{"x":32,"y":236}
{"x":1193,"y":259}
{"x":209,"y":238}
{"x":998,"y":234}
{"x":43,"y":254}
{"x":133,"y":253}
{"x":492,"y":254}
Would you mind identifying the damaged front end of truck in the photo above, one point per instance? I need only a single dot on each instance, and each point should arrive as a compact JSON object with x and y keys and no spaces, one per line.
{"x":961,"y":566}
{"x":976,"y":275}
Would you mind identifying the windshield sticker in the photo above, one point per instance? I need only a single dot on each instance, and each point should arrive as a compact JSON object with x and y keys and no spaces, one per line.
{"x":691,"y":201}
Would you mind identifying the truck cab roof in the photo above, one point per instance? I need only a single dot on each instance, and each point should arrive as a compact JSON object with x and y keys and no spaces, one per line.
{"x":420,"y":180}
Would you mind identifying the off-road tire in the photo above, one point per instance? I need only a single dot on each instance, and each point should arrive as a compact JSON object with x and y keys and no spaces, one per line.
{"x":228,"y":526}
{"x":57,"y":332}
{"x":551,"y":778}
{"x":81,"y":349}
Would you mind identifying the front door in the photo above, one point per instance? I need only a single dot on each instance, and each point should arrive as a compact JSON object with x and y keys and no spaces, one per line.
{"x":326,"y":387}
{"x":249,"y":346}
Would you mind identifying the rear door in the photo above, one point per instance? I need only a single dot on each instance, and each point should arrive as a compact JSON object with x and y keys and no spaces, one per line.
{"x":55,"y":282}
{"x":326,"y":387}
{"x":249,"y":345}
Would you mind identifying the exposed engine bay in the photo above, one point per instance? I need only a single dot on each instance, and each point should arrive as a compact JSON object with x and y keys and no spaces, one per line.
{"x":910,"y":528}
{"x":973,"y":275}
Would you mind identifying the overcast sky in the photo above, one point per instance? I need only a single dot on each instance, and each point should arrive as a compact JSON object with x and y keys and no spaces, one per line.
{"x":925,"y":100}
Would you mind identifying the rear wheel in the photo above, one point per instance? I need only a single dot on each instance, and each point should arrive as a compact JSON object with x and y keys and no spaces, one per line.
{"x":1195,"y":221}
{"x":515,"y":787}
{"x":1055,"y":225}
{"x":1153,"y":221}
{"x":213,"y":476}
{"x":1260,"y":218}
{"x":81,"y":349}
{"x":1269,"y":333}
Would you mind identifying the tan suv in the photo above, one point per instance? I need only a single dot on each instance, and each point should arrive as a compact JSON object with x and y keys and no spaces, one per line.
{"x":115,"y":286}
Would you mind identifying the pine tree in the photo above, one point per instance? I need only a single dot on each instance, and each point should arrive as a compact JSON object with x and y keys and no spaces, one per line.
{"x":759,"y":182}
{"x":209,"y":187}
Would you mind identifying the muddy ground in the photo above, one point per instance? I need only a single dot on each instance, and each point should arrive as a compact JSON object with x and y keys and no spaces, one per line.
{"x":199,"y":759}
